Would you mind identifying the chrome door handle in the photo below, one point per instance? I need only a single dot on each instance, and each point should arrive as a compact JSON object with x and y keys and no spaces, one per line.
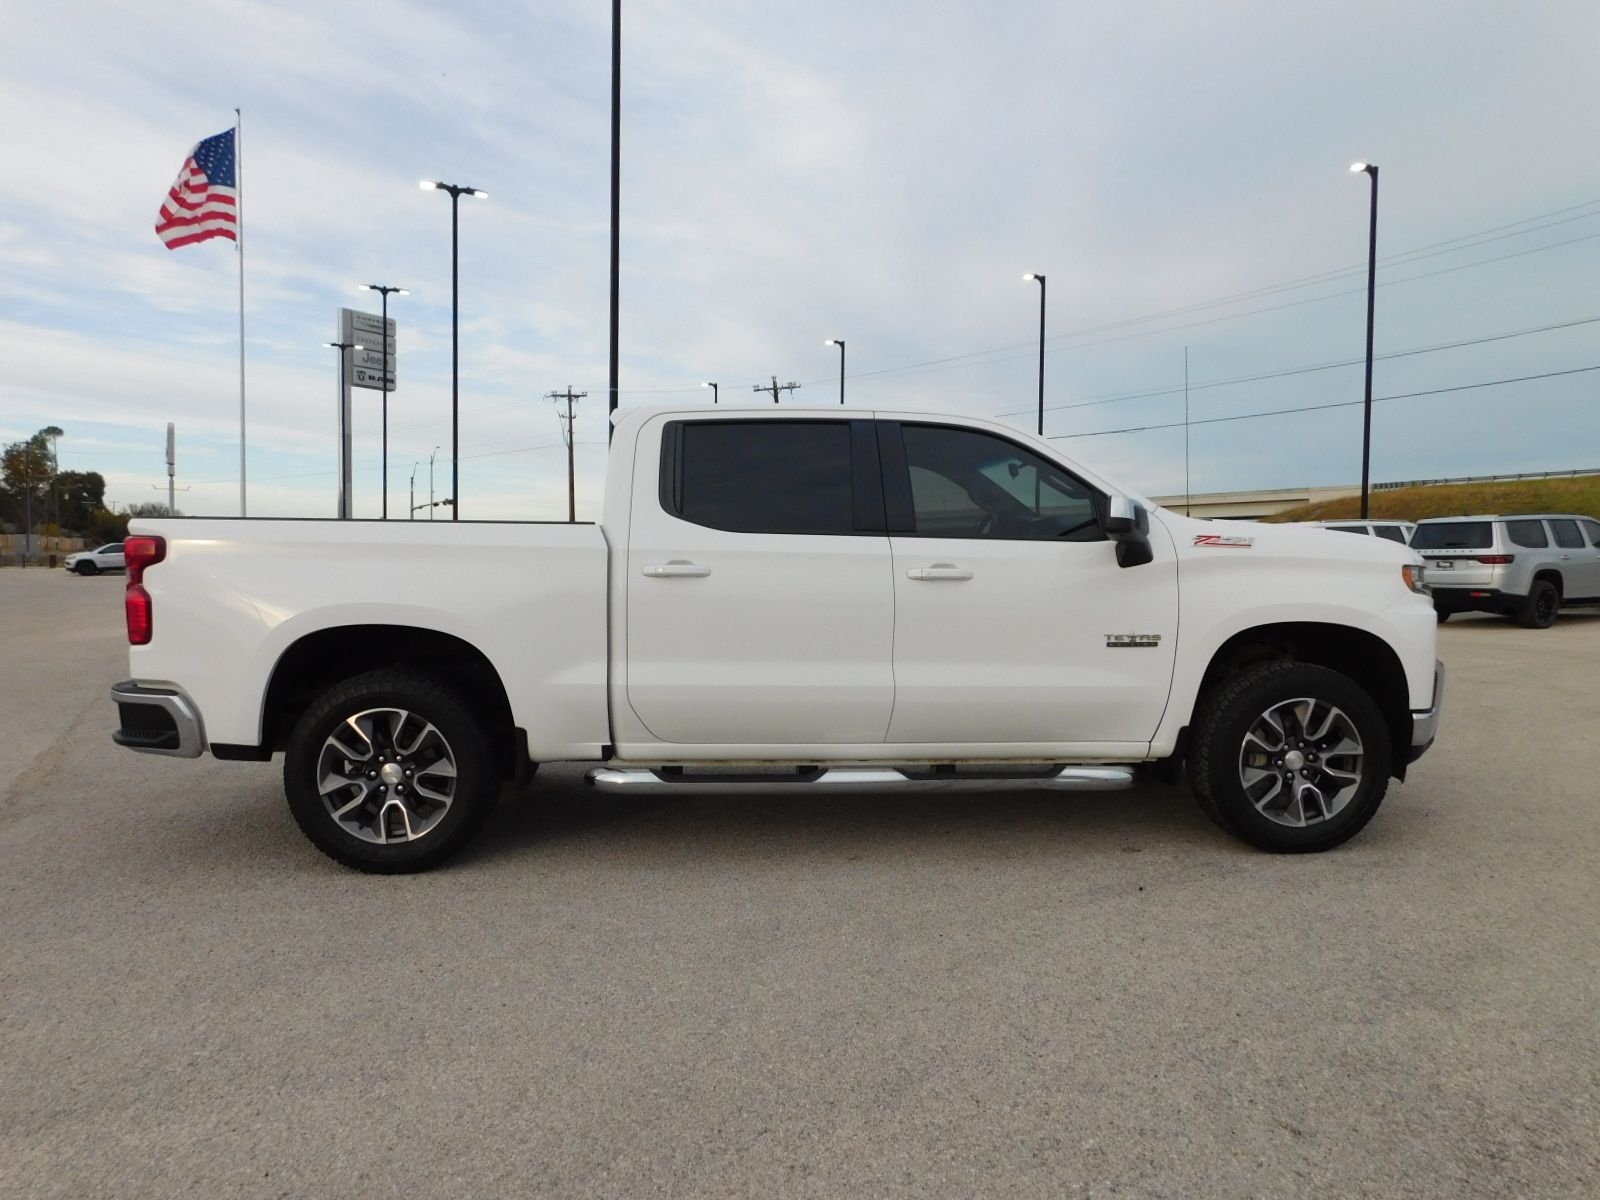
{"x":939,"y":571}
{"x":676,"y":569}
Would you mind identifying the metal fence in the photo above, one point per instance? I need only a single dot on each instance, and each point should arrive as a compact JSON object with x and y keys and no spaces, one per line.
{"x":36,"y":550}
{"x":1405,"y":483}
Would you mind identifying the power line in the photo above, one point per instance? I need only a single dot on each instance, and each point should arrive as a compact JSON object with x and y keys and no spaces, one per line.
{"x":1111,"y":398}
{"x":464,"y":458}
{"x":1396,"y":259}
{"x":1229,"y":316}
{"x":1278,"y":412}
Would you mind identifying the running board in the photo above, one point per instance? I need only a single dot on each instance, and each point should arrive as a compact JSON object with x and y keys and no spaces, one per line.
{"x":1090,"y":778}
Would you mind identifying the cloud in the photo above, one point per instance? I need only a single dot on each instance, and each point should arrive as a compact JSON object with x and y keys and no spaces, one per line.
{"x":792,"y":173}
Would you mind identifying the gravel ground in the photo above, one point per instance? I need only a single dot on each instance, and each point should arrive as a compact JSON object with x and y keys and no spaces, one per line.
{"x":1017,"y":996}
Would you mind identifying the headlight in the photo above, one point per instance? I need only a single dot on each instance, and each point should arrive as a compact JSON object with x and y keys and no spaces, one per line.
{"x":1415,"y":578}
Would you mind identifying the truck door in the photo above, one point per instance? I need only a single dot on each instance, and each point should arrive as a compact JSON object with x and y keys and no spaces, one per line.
{"x":760,"y":598}
{"x":1013,"y":621}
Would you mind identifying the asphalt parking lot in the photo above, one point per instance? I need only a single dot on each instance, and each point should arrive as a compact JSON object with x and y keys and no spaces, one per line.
{"x":1019,"y":996}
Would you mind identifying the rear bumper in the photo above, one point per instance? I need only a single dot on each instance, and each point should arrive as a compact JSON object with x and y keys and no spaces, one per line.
{"x":1474,"y":599}
{"x":1425,"y":724}
{"x":157,"y":720}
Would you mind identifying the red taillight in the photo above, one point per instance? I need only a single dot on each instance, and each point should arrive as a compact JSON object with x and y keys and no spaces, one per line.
{"x":139,"y":553}
{"x":1495,"y":560}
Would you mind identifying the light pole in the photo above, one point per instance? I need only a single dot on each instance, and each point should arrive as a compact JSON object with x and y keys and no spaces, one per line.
{"x":344,"y":434}
{"x":430,"y":482}
{"x":1372,"y":283}
{"x":713,"y":388}
{"x":839,"y":342}
{"x":385,"y":291}
{"x":411,"y":504}
{"x":616,"y":192}
{"x":456,"y":192}
{"x":1040,"y":278}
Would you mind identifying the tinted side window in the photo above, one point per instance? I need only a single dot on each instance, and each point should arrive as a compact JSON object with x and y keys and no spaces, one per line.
{"x":113,"y":548}
{"x":1566,"y":535}
{"x":1393,"y":532}
{"x":1361,"y":529}
{"x":1527,"y":533}
{"x":1593,"y":529}
{"x":970,"y":484}
{"x":764,"y":476}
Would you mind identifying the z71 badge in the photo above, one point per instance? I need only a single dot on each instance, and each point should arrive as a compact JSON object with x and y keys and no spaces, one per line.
{"x":1223,"y":539}
{"x":1132,"y":641}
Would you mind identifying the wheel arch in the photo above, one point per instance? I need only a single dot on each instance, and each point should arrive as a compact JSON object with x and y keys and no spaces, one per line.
{"x":323,"y":657}
{"x":1363,"y":656}
{"x":1551,"y":575}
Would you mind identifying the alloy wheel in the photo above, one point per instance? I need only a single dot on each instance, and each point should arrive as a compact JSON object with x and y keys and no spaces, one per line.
{"x":386,"y":775}
{"x":1300,"y":762}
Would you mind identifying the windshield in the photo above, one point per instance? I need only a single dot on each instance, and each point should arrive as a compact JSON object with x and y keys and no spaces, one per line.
{"x":1453,"y":535}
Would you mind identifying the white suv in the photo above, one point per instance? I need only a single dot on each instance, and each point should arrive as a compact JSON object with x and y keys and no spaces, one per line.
{"x":1524,"y":566}
{"x":1395,"y":531}
{"x":92,"y":562}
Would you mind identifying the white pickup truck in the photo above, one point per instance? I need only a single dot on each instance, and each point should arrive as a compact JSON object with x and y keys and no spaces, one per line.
{"x":788,"y":599}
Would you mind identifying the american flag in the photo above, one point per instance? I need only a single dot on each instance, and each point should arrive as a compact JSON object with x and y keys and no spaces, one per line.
{"x":203,"y":202}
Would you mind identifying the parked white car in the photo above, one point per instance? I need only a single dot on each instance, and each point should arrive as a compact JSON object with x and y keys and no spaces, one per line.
{"x":788,"y":600}
{"x":91,"y":562}
{"x":1395,"y":531}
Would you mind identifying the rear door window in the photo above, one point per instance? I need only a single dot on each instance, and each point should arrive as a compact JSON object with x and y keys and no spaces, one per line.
{"x":1362,"y":529}
{"x":1392,"y":532}
{"x":1566,"y":535}
{"x":1527,"y":533}
{"x":1453,"y":535}
{"x":1592,"y":528}
{"x":772,"y":476}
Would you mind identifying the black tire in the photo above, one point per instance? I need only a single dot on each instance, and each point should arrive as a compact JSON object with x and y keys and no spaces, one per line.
{"x":1539,"y":610}
{"x":1225,"y":715}
{"x":475,"y":789}
{"x":86,"y":569}
{"x":1441,"y":615}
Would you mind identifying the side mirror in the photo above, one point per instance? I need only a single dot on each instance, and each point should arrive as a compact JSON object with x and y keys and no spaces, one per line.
{"x":1128,"y":524}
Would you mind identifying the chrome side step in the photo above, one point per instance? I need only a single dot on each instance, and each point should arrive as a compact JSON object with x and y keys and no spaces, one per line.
{"x":1086,"y":778}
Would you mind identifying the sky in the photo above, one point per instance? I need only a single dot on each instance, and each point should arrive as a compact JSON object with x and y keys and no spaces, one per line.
{"x":794,"y":172}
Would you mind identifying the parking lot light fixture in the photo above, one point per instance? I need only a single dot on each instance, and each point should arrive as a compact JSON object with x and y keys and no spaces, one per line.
{"x":839,"y":342}
{"x":1034,"y":276}
{"x":713,"y":388}
{"x":1370,"y":169}
{"x":456,"y":191}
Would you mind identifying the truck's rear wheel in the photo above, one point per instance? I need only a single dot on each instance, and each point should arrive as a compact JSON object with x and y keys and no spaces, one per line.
{"x":1290,"y":757}
{"x":390,"y":772}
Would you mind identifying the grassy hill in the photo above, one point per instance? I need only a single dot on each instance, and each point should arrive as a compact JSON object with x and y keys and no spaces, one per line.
{"x":1573,"y":495}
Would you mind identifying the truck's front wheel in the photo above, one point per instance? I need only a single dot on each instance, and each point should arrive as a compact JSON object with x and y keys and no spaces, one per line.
{"x":1290,"y":757}
{"x":389,"y":772}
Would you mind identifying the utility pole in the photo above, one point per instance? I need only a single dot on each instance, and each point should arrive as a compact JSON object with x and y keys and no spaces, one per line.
{"x":775,"y":387}
{"x":566,"y":433}
{"x":411,"y":512}
{"x":172,"y":467}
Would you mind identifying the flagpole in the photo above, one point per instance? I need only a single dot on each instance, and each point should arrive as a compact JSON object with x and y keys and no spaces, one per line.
{"x":238,"y":170}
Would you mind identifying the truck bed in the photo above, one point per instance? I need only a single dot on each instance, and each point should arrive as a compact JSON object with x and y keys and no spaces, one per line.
{"x":530,"y":596}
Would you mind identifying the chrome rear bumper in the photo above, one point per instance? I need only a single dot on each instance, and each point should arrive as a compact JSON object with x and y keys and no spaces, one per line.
{"x":157,"y":720}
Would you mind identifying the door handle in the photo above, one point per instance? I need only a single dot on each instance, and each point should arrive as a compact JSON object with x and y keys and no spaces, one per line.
{"x":676,"y":569}
{"x":939,"y":571}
